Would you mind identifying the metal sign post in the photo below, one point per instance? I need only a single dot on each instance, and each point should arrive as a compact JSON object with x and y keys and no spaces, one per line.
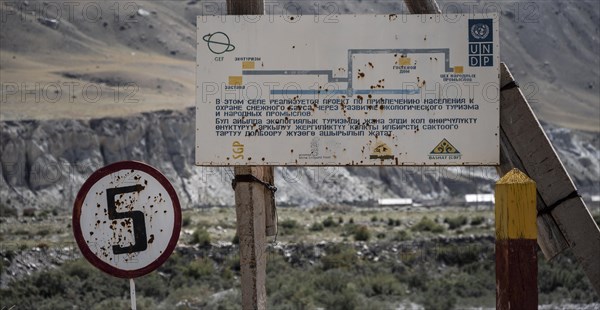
{"x":126,"y":220}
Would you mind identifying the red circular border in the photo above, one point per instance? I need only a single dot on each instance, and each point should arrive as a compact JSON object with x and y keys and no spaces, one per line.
{"x":83,"y":247}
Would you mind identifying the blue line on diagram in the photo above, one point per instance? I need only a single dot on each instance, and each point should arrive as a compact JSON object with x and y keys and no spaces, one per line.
{"x":350,"y":91}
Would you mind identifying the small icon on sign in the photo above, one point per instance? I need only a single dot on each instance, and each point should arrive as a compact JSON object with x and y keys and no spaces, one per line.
{"x":218,"y":42}
{"x":444,"y":147}
{"x":381,"y":151}
{"x":480,"y":31}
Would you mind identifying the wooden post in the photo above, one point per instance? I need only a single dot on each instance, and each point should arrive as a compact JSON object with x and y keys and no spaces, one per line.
{"x":422,"y":6}
{"x":245,"y":7}
{"x":254,"y":206}
{"x":516,"y":242}
{"x":250,"y":214}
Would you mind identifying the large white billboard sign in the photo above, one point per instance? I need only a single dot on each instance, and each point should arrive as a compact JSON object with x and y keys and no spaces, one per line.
{"x":348,"y":90}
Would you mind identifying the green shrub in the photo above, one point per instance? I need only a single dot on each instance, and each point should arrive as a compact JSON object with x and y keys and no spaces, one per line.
{"x":199,"y":268}
{"x":329,"y":222}
{"x":381,"y":235}
{"x":351,"y":221}
{"x":478,"y":220}
{"x":427,"y":224}
{"x":340,"y":220}
{"x":402,"y":235}
{"x":456,"y":222}
{"x":390,"y":221}
{"x":44,"y":214}
{"x":460,"y":255}
{"x":186,"y":221}
{"x":289,"y":227}
{"x":289,"y":224}
{"x":362,"y":233}
{"x":374,"y":218}
{"x":201,"y":237}
{"x":381,"y":284}
{"x":339,"y":256}
{"x":6,"y":211}
{"x":233,"y":263}
{"x":439,"y":296}
{"x":29,"y":212}
{"x":316,"y":227}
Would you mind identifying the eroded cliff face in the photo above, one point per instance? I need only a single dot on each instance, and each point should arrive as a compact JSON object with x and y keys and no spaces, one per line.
{"x":44,"y":163}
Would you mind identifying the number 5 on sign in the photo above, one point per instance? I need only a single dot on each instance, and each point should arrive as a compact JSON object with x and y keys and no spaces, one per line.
{"x":126,"y":219}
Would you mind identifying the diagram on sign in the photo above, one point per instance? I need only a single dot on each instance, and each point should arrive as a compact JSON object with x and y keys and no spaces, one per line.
{"x":403,"y":63}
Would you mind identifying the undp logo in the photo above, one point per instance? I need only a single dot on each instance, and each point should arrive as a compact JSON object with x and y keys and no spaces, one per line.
{"x":481,"y":45}
{"x":480,"y":31}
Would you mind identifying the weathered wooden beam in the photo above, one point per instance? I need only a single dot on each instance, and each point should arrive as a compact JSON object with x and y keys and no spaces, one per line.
{"x":582,"y":234}
{"x":550,"y":239}
{"x":250,"y":215}
{"x":565,"y":221}
{"x":422,"y":6}
{"x":531,"y":145}
{"x":245,"y":7}
{"x":516,"y":234}
{"x":252,"y":200}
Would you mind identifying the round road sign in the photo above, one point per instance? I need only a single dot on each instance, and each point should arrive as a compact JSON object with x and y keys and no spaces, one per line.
{"x":126,"y":219}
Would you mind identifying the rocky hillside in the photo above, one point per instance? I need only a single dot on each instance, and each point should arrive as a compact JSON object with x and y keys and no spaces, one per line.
{"x":44,"y":163}
{"x":49,"y":147}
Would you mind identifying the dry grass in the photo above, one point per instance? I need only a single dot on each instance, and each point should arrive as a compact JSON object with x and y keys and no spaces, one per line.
{"x":126,"y":83}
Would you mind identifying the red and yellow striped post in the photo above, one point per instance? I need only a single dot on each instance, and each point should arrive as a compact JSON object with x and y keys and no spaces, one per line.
{"x":516,"y":242}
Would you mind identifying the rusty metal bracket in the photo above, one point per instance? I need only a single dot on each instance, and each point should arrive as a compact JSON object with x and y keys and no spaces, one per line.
{"x":251,"y":178}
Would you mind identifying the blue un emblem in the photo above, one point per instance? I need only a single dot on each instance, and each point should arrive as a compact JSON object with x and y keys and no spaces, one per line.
{"x":481,"y":43}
